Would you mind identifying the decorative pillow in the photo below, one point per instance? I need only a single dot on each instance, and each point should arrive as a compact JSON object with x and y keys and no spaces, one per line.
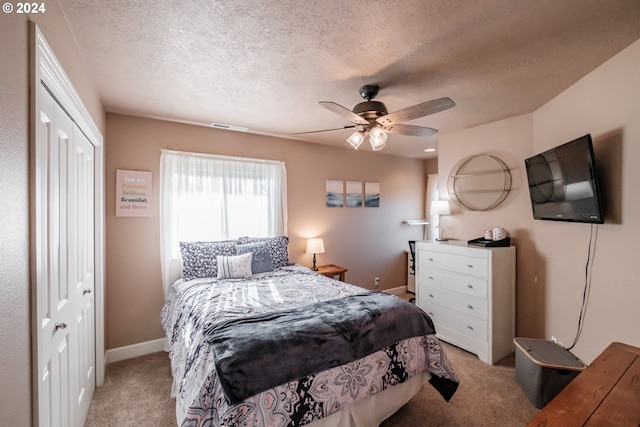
{"x":277,"y":248}
{"x":261,"y":259}
{"x":234,"y":267}
{"x":199,"y":258}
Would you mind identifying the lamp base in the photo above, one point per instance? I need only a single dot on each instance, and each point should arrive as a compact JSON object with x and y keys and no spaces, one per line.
{"x":314,"y":268}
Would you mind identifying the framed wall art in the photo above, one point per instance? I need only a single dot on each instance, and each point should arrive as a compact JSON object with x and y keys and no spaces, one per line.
{"x":354,"y":194}
{"x":372,"y":194}
{"x":134,"y":190}
{"x":334,"y":193}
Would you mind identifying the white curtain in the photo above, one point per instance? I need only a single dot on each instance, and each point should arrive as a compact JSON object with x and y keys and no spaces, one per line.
{"x":206,"y":197}
{"x":432,"y":194}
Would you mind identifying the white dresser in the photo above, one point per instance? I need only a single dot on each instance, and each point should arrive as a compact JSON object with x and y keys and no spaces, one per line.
{"x":469,"y":292}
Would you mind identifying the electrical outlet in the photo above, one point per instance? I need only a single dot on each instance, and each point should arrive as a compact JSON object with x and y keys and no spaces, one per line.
{"x":376,"y":282}
{"x":554,"y":339}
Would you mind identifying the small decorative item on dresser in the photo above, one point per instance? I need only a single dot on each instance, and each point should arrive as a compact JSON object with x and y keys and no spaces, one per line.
{"x":315,"y":246}
{"x":499,"y":233}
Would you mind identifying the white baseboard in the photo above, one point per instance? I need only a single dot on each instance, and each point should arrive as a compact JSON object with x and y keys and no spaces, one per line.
{"x":396,"y":291}
{"x":135,"y":350}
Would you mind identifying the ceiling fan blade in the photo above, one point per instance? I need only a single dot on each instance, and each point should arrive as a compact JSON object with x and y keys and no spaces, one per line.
{"x":419,"y":110}
{"x":344,"y":112}
{"x":410,"y":130}
{"x":325,"y":130}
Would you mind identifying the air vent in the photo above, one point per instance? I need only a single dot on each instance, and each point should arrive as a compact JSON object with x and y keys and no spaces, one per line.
{"x":229,"y":127}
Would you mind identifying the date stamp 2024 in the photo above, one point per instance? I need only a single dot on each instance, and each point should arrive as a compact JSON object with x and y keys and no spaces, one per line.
{"x":20,"y":8}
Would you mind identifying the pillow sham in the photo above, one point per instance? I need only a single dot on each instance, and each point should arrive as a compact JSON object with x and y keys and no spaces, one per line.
{"x":261,"y":260}
{"x":235,"y":266}
{"x":278,"y":248}
{"x":199,"y":258}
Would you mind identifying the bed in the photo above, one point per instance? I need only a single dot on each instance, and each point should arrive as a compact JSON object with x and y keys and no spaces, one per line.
{"x":221,"y":377}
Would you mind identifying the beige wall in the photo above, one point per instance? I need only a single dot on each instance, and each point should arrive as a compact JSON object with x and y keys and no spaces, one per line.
{"x":511,"y":141}
{"x":605,"y":103}
{"x":368,"y":241}
{"x":552,"y":255}
{"x":15,"y":334}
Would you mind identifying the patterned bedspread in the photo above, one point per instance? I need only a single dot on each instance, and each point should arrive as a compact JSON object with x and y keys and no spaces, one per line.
{"x":196,"y":305}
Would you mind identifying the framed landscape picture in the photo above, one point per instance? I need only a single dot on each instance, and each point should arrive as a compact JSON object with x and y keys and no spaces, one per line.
{"x":354,"y":194}
{"x":334,"y":193}
{"x":372,"y":194}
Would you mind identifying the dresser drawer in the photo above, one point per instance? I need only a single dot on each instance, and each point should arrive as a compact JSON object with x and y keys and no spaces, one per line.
{"x":476,"y":266}
{"x":462,"y":283}
{"x":464,"y":304}
{"x":465,"y":325}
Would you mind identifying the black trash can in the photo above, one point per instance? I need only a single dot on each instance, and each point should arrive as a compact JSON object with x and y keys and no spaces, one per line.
{"x":543,"y":369}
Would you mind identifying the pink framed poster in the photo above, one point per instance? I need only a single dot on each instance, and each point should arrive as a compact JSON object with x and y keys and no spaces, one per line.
{"x":133,"y":193}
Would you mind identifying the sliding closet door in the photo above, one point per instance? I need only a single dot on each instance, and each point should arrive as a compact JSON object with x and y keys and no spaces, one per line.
{"x":64,"y":267}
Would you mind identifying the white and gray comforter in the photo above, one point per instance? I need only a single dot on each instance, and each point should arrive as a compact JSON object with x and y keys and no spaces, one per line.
{"x":199,"y":305}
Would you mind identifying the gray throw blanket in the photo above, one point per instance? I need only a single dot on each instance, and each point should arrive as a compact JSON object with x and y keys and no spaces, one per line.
{"x":262,"y":351}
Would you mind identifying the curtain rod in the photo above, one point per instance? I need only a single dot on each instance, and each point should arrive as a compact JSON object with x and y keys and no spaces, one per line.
{"x":219,"y":156}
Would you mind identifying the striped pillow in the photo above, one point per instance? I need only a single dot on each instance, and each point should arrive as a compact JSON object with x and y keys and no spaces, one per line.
{"x":234,"y":267}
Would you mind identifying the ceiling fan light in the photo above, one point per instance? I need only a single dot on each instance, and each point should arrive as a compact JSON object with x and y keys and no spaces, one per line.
{"x":356,"y":139}
{"x":377,"y":139}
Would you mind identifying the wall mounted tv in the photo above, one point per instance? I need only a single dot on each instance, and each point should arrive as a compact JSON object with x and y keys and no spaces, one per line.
{"x":563,"y":184}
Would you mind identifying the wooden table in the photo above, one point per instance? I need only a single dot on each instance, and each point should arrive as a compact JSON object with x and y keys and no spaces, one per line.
{"x":332,"y":270}
{"x":607,"y":393}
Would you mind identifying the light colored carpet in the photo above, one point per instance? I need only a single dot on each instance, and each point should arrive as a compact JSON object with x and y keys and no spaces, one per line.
{"x":137,"y":393}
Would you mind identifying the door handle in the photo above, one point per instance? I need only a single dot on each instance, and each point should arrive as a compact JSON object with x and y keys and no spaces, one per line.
{"x":86,"y":291}
{"x":60,"y":325}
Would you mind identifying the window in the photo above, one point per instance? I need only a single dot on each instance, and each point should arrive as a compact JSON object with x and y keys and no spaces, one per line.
{"x":206,"y":197}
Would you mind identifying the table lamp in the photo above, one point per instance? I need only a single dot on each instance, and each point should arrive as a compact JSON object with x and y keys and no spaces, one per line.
{"x":315,"y":246}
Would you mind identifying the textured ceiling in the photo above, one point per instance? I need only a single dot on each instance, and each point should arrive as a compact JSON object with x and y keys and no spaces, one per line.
{"x":265,"y":65}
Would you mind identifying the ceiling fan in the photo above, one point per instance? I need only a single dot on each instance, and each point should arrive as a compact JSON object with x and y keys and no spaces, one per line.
{"x":371,"y":117}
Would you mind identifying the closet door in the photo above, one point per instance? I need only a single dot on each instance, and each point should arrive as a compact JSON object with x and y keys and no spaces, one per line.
{"x":64,"y":170}
{"x":83,"y":286}
{"x":54,"y":293}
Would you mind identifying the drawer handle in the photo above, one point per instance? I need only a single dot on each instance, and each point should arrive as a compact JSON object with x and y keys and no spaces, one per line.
{"x":470,"y":265}
{"x":469,"y":306}
{"x":430,"y":277}
{"x":430,"y":259}
{"x":469,"y":285}
{"x":470,"y":327}
{"x":430,"y":295}
{"x":431,"y":314}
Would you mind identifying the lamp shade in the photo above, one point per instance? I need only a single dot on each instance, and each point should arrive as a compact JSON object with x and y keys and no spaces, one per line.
{"x":440,"y":207}
{"x":315,"y":246}
{"x":356,"y":139}
{"x":377,"y":138}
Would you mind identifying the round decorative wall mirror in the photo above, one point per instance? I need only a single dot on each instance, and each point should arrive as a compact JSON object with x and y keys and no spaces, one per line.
{"x":479,"y":183}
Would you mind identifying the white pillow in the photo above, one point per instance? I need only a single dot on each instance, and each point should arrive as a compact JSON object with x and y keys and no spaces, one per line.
{"x":234,"y":267}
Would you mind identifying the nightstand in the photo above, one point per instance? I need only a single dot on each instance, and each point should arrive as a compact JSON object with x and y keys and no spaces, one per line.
{"x":332,"y":270}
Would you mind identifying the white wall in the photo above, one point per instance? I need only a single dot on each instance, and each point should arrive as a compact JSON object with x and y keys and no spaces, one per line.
{"x":552,"y":255}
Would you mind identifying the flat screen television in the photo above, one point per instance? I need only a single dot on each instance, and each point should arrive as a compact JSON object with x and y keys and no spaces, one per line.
{"x":563,"y":184}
